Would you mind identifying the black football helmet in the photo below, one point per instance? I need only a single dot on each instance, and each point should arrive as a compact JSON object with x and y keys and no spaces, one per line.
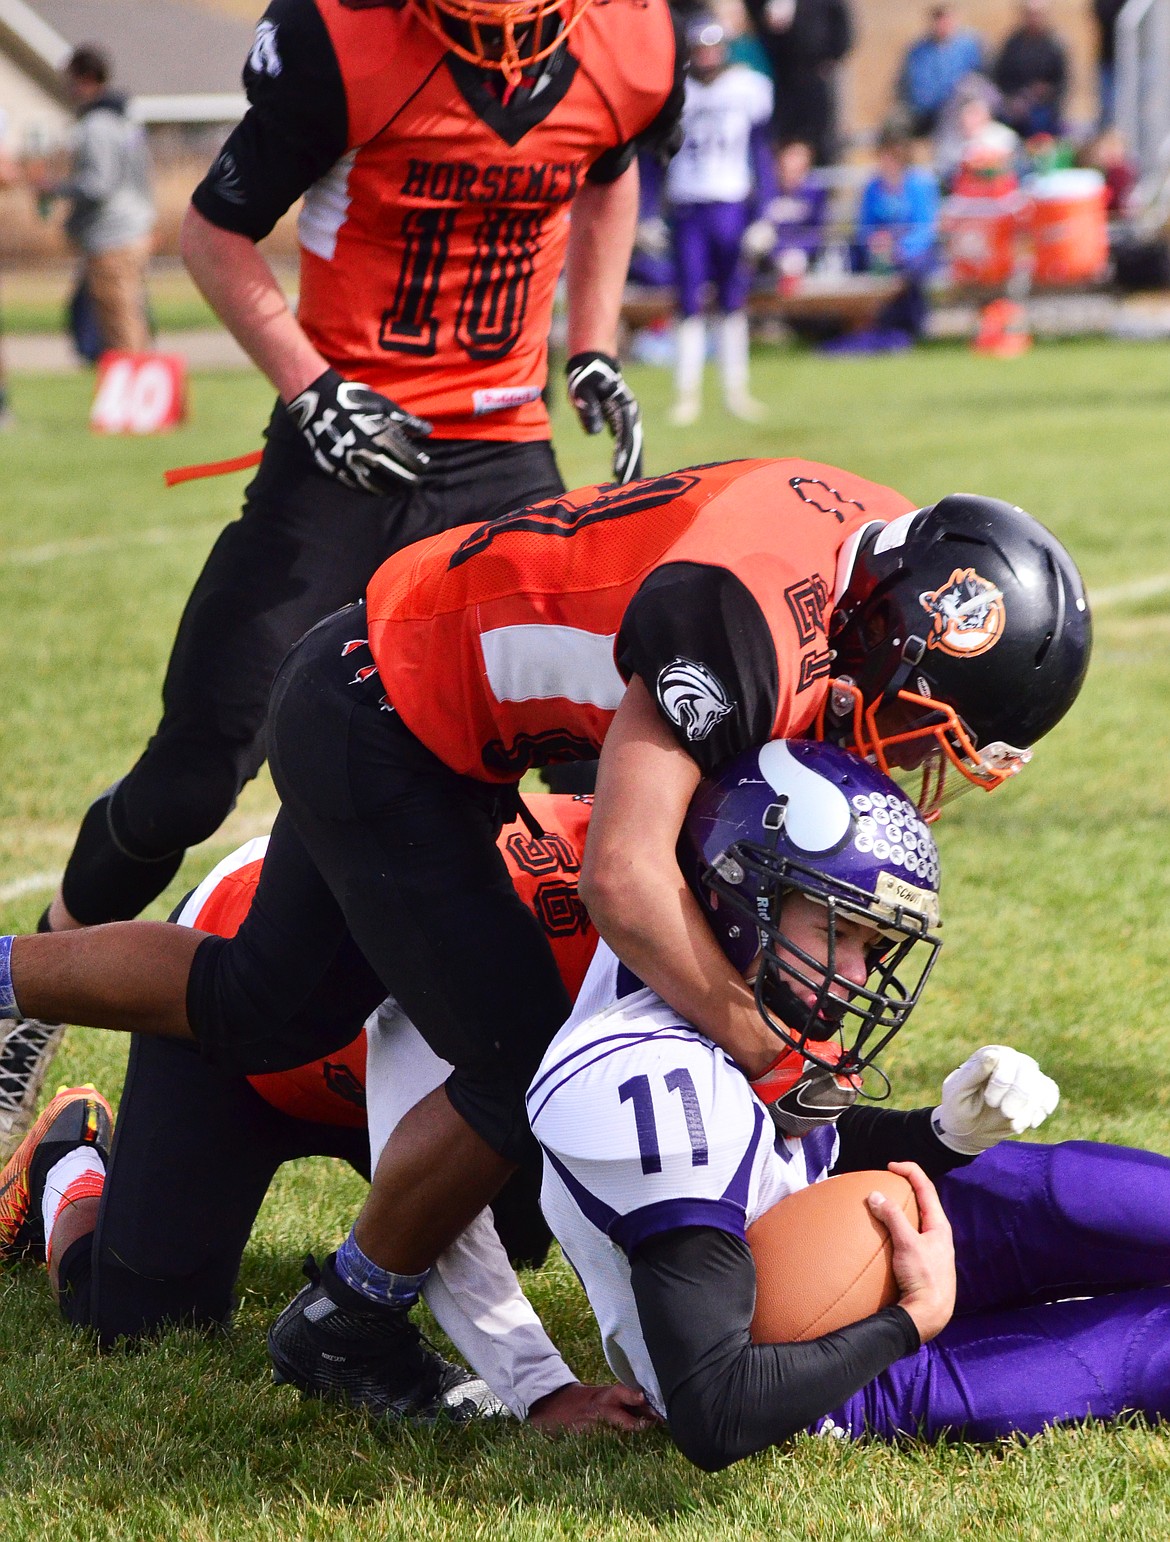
{"x":961,"y":637}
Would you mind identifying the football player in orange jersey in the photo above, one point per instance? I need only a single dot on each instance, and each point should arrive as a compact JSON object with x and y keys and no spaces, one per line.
{"x":454,"y":157}
{"x":669,"y":624}
{"x":153,"y":1235}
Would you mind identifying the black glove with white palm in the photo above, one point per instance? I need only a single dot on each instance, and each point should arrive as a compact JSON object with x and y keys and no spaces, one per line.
{"x":600,"y":394}
{"x":360,"y":437}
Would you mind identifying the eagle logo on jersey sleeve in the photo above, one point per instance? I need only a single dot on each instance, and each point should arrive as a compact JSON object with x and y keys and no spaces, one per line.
{"x":693,"y":697}
{"x":966,"y":614}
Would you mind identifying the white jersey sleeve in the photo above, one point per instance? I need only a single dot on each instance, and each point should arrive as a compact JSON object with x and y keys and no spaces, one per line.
{"x":646,"y":1126}
{"x":472,"y":1289}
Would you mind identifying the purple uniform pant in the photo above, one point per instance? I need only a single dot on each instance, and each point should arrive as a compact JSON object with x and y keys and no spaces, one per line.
{"x":707,"y":240}
{"x":1034,"y":1226}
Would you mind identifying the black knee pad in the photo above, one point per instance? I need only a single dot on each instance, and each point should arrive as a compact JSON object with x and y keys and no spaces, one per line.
{"x":178,"y":794}
{"x":103,"y":881}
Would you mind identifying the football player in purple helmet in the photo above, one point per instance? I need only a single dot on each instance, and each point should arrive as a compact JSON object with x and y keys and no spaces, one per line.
{"x":1038,"y":1288}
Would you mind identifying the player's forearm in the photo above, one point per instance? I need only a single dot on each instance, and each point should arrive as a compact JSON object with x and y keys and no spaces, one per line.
{"x":874,"y":1137}
{"x":652,"y":922}
{"x":601,"y":239}
{"x":478,"y":1303}
{"x":725,"y":1396}
{"x":241,"y":288}
{"x":637,"y":896}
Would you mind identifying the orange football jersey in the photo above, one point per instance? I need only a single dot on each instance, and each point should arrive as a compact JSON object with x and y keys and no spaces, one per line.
{"x":545,"y":871}
{"x":430,"y":252}
{"x":510,"y":645}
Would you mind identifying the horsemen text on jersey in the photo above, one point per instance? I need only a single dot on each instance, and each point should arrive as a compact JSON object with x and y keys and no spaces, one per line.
{"x":435,"y":219}
{"x":511,"y":644}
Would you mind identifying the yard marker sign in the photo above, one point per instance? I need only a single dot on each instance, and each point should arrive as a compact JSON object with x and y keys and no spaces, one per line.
{"x":139,"y":393}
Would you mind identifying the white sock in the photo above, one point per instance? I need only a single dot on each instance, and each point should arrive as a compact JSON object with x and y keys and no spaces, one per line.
{"x":82,"y":1159}
{"x":691,"y":344}
{"x":733,"y":354}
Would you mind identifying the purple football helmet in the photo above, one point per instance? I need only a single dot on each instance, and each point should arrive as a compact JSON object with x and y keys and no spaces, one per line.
{"x":799,"y":815}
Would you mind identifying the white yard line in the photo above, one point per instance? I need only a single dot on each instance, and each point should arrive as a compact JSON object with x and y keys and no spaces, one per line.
{"x":228,"y":838}
{"x":32,"y":884}
{"x":83,"y":546}
{"x":1125,"y":594}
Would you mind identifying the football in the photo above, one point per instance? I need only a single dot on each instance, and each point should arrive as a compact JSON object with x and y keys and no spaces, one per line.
{"x":822,"y":1260}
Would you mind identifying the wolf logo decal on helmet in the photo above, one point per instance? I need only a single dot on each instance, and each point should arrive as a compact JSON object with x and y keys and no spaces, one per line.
{"x":693,"y":697}
{"x":966,"y":614}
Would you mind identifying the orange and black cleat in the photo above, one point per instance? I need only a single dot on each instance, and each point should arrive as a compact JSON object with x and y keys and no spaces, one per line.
{"x":77,"y":1116}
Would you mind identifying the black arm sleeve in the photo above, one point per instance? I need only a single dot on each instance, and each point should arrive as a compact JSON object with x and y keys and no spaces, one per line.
{"x":697,"y":638}
{"x":874,"y":1137}
{"x":295,"y":129}
{"x":663,"y":137}
{"x":725,"y":1396}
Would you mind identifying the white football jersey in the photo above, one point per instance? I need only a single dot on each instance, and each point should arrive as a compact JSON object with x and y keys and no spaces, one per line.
{"x":647,"y":1126}
{"x":714,"y":164}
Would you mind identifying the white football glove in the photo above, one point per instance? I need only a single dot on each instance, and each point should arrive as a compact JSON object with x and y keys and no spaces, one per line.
{"x":996,"y":1092}
{"x":652,"y":237}
{"x":759,"y":240}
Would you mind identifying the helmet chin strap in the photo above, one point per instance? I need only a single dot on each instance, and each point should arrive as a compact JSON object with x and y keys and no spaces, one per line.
{"x":783,"y":1002}
{"x":817,"y":1097}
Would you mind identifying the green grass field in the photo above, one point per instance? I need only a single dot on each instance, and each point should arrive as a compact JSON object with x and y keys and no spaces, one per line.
{"x":1056,"y":896}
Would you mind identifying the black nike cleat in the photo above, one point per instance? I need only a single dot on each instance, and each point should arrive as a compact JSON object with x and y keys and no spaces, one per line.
{"x":333,"y":1344}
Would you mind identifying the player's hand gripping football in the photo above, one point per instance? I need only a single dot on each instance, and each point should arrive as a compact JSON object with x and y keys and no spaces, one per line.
{"x":363,"y":439}
{"x":996,"y":1092}
{"x":600,"y":394}
{"x":924,"y":1260}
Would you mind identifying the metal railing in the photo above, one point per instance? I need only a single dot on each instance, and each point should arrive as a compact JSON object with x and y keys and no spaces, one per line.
{"x":1143,"y":100}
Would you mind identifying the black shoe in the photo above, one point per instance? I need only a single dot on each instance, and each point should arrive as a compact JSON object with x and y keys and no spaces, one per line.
{"x":333,"y":1344}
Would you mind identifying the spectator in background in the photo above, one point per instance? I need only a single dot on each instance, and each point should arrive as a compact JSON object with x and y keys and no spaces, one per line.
{"x":1032,"y":74}
{"x":798,"y":211}
{"x":8,"y":177}
{"x":896,"y":233}
{"x":970,"y":136}
{"x":805,"y":40}
{"x":716,"y":187}
{"x":1109,"y":155}
{"x":935,"y":65}
{"x":111,"y":210}
{"x":1106,"y":13}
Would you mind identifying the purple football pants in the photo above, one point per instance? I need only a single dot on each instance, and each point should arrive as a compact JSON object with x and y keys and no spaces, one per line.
{"x":707,"y":237}
{"x":1035,"y":1225}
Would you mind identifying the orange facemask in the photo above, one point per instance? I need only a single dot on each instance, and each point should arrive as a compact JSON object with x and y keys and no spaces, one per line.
{"x":505,"y":34}
{"x":935,"y":730}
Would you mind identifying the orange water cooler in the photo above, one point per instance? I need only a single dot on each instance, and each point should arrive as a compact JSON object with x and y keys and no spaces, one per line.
{"x":1070,"y":235}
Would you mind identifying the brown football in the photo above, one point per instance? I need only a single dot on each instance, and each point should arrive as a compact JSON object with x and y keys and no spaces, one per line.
{"x":822,"y":1261}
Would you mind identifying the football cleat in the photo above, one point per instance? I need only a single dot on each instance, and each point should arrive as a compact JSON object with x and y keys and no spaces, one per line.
{"x":25,"y":1057}
{"x":77,"y":1116}
{"x":332,"y":1344}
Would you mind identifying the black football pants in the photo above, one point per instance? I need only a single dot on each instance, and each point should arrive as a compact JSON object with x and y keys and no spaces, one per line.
{"x":303,"y":545}
{"x":195,"y":1149}
{"x":378,"y":844}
